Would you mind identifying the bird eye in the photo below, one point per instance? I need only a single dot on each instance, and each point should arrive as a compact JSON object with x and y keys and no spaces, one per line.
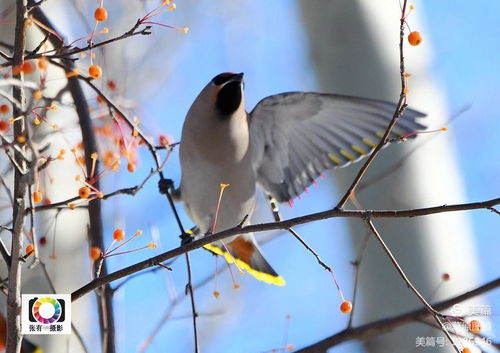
{"x":226,"y":77}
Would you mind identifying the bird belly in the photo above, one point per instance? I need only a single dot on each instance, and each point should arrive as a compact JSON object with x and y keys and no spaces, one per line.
{"x":201,"y":190}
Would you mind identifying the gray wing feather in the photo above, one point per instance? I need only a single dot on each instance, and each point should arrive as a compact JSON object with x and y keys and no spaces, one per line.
{"x":295,"y":136}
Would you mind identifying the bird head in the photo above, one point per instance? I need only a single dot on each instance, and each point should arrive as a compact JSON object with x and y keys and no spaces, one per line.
{"x":228,"y":93}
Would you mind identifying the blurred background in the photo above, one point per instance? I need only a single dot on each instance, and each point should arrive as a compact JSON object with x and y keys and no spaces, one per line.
{"x":342,"y":46}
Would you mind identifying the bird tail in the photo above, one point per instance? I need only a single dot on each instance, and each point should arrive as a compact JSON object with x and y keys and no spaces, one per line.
{"x":247,"y":256}
{"x":28,"y":347}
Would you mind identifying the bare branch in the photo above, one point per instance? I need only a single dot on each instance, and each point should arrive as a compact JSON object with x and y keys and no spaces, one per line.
{"x":437,"y":315}
{"x":20,"y":190}
{"x":283,"y":225}
{"x":385,"y":325}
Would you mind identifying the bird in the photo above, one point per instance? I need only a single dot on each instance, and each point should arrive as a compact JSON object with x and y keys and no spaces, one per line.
{"x":282,"y":145}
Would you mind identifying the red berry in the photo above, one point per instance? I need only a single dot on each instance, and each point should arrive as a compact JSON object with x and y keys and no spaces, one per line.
{"x":27,"y":67}
{"x":84,"y":192}
{"x":100,"y":14}
{"x":346,"y":307}
{"x":118,"y":234}
{"x":111,"y":85}
{"x":4,"y":126}
{"x":29,"y":249}
{"x":475,"y":326}
{"x":95,"y":71}
{"x":95,"y":253}
{"x":414,"y":38}
{"x":37,"y":196}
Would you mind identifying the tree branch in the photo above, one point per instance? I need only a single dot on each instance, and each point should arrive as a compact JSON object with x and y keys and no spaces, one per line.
{"x":20,"y":189}
{"x":436,"y":314}
{"x":385,"y":325}
{"x":283,"y":225}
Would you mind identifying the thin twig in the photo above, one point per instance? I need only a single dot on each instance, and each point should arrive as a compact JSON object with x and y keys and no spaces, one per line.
{"x":400,"y":108}
{"x":53,"y":289}
{"x":416,"y":147}
{"x":357,"y":266}
{"x":189,"y":285}
{"x":176,"y":301}
{"x":437,"y":315}
{"x":385,"y":325}
{"x":125,"y":191}
{"x":308,"y":248}
{"x":67,"y":53}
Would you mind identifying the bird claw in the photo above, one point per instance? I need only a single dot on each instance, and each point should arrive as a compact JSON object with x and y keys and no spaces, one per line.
{"x":165,"y":185}
{"x":186,"y":238}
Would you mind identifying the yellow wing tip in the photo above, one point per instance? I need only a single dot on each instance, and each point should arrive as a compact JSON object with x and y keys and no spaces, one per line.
{"x":261,"y":276}
{"x":38,"y":350}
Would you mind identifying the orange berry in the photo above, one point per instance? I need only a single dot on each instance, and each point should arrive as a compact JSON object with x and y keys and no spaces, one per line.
{"x":216,"y":294}
{"x":111,"y":85}
{"x":466,"y":350}
{"x":4,"y":109}
{"x":445,"y":276}
{"x":95,"y":253}
{"x":29,"y":249}
{"x":100,"y":14}
{"x":71,"y":206}
{"x":37,"y":94}
{"x":346,"y":307}
{"x":100,"y":99}
{"x":27,"y":67}
{"x":81,"y":160}
{"x":414,"y":38}
{"x":42,"y":63}
{"x":21,"y":139}
{"x":37,"y":196}
{"x":95,"y":71}
{"x":475,"y":326}
{"x":118,"y":234}
{"x":84,"y":192}
{"x":131,"y":167}
{"x":4,"y":126}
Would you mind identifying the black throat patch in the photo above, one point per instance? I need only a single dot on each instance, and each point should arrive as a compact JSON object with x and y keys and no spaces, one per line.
{"x":229,"y":99}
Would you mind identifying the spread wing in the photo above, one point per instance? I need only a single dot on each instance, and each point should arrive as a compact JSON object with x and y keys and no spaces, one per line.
{"x":296,"y":136}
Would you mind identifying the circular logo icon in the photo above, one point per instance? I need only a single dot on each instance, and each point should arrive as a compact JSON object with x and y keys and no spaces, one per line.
{"x":46,"y":310}
{"x":457,"y":310}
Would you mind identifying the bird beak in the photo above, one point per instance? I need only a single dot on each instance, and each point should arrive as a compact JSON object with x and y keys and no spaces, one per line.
{"x":236,"y":78}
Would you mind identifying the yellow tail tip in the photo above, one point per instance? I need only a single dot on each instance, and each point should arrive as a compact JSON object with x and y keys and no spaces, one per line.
{"x":259,"y":275}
